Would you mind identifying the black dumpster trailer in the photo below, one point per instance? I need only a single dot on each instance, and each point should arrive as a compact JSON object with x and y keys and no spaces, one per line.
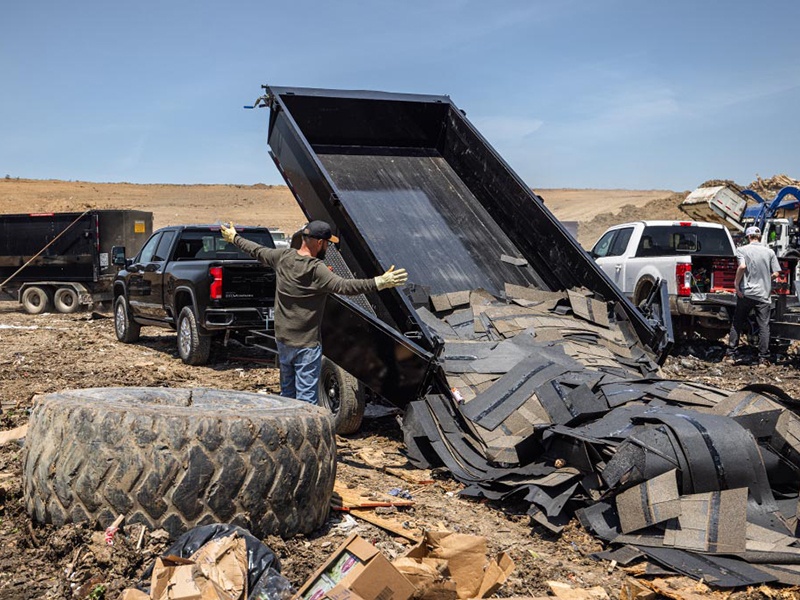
{"x":65,"y":259}
{"x":408,"y":180}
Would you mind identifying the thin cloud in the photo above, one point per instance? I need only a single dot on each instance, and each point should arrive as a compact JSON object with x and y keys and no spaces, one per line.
{"x":507,"y":129}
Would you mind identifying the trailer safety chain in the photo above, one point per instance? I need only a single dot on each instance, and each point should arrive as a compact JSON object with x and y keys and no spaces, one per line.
{"x":35,"y":256}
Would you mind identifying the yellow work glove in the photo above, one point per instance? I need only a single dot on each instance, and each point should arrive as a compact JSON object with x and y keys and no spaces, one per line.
{"x":228,"y":233}
{"x":391,"y":278}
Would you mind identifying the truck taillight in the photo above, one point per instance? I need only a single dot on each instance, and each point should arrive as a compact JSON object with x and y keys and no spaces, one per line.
{"x":781,"y":284}
{"x":683,"y":276}
{"x":216,"y":282}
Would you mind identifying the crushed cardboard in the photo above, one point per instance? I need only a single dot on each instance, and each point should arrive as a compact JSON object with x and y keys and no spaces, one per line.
{"x":474,"y":574}
{"x":217,"y":571}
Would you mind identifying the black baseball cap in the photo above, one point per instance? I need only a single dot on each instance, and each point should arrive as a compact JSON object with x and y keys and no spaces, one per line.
{"x":320,"y":230}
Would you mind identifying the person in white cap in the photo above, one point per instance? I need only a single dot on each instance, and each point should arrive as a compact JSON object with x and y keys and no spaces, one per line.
{"x":758,"y":266}
{"x":303,"y":284}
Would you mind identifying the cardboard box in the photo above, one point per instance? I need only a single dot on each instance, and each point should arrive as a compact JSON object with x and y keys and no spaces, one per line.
{"x":356,"y":571}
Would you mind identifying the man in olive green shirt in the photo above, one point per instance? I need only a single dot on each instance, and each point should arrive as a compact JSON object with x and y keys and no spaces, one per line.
{"x":303,"y":284}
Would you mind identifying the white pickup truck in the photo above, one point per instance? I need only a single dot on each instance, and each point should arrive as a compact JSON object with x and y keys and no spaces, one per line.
{"x":695,"y":259}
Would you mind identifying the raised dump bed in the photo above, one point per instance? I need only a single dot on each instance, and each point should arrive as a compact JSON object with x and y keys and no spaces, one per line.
{"x":407,"y":180}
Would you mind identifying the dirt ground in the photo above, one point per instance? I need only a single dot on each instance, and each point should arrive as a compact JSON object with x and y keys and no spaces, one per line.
{"x":53,"y":352}
{"x":274,"y":205}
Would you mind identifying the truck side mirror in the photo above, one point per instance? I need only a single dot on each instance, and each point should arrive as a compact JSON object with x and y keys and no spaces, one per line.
{"x":118,"y":255}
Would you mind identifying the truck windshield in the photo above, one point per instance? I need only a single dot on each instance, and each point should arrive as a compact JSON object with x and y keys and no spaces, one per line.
{"x":666,"y":240}
{"x":209,"y":245}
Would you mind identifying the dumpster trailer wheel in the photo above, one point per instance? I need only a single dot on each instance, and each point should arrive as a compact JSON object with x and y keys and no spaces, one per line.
{"x":343,"y":395}
{"x":36,"y":300}
{"x":177,"y":458}
{"x":193,"y":347}
{"x":66,"y":300}
{"x":125,"y":327}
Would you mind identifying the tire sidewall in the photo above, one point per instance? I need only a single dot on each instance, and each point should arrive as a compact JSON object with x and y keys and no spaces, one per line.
{"x":196,"y":352}
{"x":129,"y":332}
{"x":72,"y":305}
{"x":349,"y":411}
{"x":33,"y":308}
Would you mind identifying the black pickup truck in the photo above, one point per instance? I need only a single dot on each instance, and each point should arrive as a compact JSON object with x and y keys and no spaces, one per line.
{"x":188,"y":278}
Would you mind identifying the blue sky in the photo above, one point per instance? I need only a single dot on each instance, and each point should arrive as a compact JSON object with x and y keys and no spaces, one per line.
{"x":631,"y":94}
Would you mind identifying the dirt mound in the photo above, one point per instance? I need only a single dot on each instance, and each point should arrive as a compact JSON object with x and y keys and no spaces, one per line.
{"x":661,"y":208}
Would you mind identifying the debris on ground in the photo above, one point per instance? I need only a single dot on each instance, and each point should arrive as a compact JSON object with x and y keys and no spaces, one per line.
{"x":554,"y":405}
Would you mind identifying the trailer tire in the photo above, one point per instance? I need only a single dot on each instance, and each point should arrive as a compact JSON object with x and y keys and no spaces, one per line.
{"x":177,"y":458}
{"x":194,"y":348}
{"x":36,"y":300}
{"x":127,"y":330}
{"x":66,"y":300}
{"x":343,"y":395}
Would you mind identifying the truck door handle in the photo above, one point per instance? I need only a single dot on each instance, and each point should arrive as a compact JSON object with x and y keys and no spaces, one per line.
{"x":618,"y":267}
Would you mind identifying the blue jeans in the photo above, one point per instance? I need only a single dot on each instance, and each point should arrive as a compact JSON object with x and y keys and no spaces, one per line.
{"x":300,"y":368}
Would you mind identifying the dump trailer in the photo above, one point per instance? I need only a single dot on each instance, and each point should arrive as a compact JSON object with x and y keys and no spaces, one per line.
{"x":522,"y":369}
{"x":65,"y":260}
{"x":408,"y":180}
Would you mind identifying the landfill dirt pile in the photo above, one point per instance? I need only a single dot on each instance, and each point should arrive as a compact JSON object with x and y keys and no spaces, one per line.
{"x":274,"y":205}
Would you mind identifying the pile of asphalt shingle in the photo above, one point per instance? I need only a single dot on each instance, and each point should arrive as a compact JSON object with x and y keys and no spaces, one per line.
{"x":552,"y":401}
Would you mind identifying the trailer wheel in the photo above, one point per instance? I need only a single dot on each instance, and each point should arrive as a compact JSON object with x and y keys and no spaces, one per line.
{"x":178,"y":458}
{"x":193,"y":347}
{"x":36,"y":300}
{"x":66,"y":300}
{"x":126,"y":328}
{"x":343,"y":395}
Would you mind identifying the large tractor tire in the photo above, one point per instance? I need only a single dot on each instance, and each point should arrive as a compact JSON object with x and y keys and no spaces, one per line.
{"x":343,"y":395}
{"x":179,"y":458}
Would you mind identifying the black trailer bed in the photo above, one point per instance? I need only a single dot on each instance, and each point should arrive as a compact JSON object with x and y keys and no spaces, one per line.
{"x":415,"y":211}
{"x":407,"y":180}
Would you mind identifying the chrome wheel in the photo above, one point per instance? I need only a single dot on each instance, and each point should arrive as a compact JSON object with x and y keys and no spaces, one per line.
{"x":119,"y":320}
{"x":185,"y":337}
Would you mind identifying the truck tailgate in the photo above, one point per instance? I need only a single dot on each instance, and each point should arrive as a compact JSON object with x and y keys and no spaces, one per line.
{"x":244,"y":282}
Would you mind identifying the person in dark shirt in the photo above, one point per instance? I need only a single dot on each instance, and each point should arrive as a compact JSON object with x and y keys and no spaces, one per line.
{"x":303,"y":284}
